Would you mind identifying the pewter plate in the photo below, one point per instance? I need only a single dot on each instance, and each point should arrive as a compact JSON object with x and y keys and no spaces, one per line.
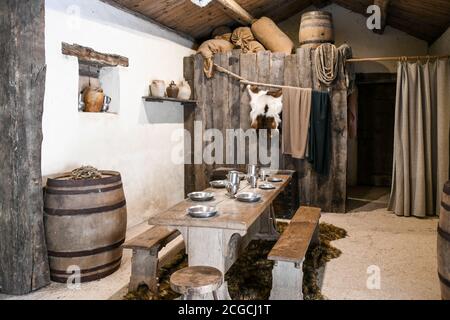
{"x":201,"y":196}
{"x":248,"y":197}
{"x":219,"y":184}
{"x":266,"y":186}
{"x":202,"y":212}
{"x":275,"y":179}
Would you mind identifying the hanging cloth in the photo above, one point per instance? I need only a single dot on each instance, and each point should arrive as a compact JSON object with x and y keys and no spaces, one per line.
{"x":421,"y":138}
{"x":320,"y":133}
{"x":296,"y":115}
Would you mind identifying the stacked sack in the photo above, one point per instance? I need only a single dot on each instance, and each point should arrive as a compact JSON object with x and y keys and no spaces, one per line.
{"x":263,"y":35}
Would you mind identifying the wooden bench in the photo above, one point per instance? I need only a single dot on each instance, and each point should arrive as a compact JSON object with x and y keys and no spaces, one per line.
{"x":145,"y":261}
{"x":289,"y":254}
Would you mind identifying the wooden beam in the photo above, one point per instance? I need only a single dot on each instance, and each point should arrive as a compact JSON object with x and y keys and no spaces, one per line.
{"x":23,"y":253}
{"x":235,"y":11}
{"x":320,"y":3}
{"x":89,"y":55}
{"x":384,"y":6}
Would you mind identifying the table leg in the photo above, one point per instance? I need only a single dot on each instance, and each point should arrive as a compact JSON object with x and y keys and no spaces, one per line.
{"x":268,"y":226}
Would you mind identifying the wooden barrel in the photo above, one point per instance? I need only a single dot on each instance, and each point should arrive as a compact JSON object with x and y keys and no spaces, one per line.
{"x":316,"y":28}
{"x":85,"y":225}
{"x":443,"y":244}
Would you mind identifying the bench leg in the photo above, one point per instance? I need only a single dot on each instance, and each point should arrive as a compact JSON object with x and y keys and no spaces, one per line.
{"x":315,"y":240}
{"x":144,"y":270}
{"x":287,"y":281}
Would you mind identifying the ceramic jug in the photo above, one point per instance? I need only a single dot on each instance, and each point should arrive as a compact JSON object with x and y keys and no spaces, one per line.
{"x":93,"y":99}
{"x":158,"y":88}
{"x":172,"y":90}
{"x":185,"y":91}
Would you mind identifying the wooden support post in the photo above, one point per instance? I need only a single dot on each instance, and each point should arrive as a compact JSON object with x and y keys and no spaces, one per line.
{"x":384,"y":6}
{"x":234,"y":10}
{"x":23,"y":253}
{"x":189,"y":119}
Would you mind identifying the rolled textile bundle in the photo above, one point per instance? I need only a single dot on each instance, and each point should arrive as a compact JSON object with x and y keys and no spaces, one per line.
{"x":271,"y":37}
{"x":210,"y":47}
{"x":241,"y":37}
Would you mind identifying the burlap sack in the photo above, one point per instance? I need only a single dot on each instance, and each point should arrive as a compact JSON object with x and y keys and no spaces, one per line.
{"x":241,"y":37}
{"x":253,"y":47}
{"x":219,"y":31}
{"x":210,"y":47}
{"x":271,"y":37}
{"x":226,"y":37}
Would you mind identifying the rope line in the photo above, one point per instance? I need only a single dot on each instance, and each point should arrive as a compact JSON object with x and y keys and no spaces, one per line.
{"x":253,"y":83}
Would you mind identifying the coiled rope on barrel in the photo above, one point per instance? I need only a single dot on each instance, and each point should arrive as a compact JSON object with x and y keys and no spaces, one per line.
{"x":86,"y":172}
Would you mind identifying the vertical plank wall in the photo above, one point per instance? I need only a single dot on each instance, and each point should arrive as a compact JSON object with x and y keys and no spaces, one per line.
{"x":225,"y":104}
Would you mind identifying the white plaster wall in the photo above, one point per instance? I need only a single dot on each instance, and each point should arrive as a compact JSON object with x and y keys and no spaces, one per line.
{"x":351,"y":28}
{"x":139,"y":147}
{"x":442,"y":45}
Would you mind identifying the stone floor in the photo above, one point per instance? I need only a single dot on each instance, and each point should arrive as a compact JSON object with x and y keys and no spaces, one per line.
{"x":402,"y":250}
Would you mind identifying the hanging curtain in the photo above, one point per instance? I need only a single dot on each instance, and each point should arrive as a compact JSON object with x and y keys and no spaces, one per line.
{"x":421,"y":138}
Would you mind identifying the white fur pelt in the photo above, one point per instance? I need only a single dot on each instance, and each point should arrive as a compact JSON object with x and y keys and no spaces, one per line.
{"x":266,"y":105}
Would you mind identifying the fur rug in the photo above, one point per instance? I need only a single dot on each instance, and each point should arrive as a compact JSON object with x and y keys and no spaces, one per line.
{"x":250,"y":278}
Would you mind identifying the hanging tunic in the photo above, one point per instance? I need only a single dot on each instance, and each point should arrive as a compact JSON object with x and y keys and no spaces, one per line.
{"x":320,"y":133}
{"x":296,"y":115}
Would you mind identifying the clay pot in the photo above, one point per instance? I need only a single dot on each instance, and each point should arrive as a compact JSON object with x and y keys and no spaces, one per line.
{"x":184,"y":91}
{"x":93,"y":99}
{"x":158,"y":88}
{"x":172,"y":90}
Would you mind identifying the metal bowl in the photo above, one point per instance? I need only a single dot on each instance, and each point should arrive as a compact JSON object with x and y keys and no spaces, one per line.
{"x":201,"y":196}
{"x":266,"y":186}
{"x":248,"y":197}
{"x":275,"y":179}
{"x":219,"y":184}
{"x":202,"y":212}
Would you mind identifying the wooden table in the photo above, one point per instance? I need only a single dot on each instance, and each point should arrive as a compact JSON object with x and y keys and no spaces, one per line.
{"x":218,"y":241}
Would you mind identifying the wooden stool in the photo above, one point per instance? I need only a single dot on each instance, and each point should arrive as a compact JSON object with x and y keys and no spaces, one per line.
{"x":195,"y":282}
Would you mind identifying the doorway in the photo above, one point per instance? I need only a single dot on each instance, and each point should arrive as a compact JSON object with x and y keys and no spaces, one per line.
{"x":372,"y":150}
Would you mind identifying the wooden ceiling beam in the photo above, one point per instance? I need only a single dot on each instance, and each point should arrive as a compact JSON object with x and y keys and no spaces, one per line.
{"x":384,"y":7}
{"x":320,"y":3}
{"x":235,"y":11}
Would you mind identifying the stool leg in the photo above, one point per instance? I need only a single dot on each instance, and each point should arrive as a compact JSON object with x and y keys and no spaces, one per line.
{"x":215,"y":295}
{"x":188,"y":296}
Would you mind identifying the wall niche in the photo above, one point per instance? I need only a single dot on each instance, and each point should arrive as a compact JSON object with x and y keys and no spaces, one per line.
{"x":99,"y":82}
{"x":99,"y":77}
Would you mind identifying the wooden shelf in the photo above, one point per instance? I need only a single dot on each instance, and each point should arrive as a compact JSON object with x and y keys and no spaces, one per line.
{"x":183,"y":102}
